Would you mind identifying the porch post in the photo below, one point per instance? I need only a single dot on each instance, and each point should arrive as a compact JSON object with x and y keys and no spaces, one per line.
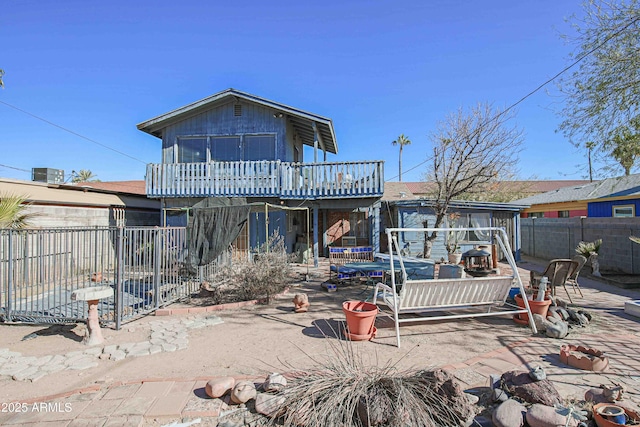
{"x":375,"y":227}
{"x":315,"y":236}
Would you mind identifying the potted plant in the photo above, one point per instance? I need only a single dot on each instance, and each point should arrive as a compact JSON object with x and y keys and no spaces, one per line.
{"x":590,"y":250}
{"x":451,"y":240}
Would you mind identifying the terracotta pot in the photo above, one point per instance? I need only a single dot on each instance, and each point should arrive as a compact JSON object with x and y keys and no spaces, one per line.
{"x":610,"y":421}
{"x":360,"y":319}
{"x":536,"y":307}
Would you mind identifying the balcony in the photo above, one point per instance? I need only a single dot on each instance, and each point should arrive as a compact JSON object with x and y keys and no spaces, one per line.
{"x":266,"y":179}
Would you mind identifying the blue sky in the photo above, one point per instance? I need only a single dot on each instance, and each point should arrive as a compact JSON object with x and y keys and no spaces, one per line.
{"x":377,"y":68}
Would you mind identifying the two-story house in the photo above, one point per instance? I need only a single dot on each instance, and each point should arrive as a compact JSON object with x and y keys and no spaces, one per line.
{"x":234,"y":144}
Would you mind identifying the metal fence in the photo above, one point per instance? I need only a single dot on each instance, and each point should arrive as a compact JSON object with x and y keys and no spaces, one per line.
{"x":39,"y":270}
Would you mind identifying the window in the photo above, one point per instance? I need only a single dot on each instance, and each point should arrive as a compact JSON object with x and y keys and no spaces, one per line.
{"x":259,"y":147}
{"x":625,"y":211}
{"x":476,"y":220}
{"x":535,"y":215}
{"x":563,"y":214}
{"x":192,"y":150}
{"x":225,"y":148}
{"x":358,"y":224}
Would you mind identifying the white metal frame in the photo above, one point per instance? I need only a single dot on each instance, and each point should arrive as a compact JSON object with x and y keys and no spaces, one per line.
{"x":499,"y":235}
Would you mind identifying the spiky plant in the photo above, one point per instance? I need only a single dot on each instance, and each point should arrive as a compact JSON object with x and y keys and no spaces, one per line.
{"x":345,"y":390}
{"x":586,"y":249}
{"x":13,"y":212}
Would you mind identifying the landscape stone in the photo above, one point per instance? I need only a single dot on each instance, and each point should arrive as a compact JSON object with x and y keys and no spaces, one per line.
{"x":218,"y":387}
{"x":546,"y":416}
{"x":169,"y":347}
{"x":84,"y":363}
{"x":42,"y":360}
{"x":109,"y":349}
{"x":519,"y":384}
{"x":243,"y":391}
{"x":269,"y":404}
{"x":509,"y":414}
{"x":23,"y":374}
{"x":274,"y":382}
{"x":118,"y":355}
{"x":557,"y":330}
{"x":540,"y":321}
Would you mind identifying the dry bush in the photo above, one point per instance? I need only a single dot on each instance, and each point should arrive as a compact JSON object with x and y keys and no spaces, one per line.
{"x":265,"y":275}
{"x":346,"y":390}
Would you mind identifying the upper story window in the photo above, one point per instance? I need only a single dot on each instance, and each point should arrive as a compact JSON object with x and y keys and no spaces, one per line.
{"x":535,"y":215}
{"x":192,"y":150}
{"x":563,"y":214}
{"x":624,"y":211}
{"x":225,"y":148}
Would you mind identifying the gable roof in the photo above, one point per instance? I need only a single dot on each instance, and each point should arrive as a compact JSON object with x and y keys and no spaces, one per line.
{"x":610,"y":187}
{"x":303,"y":122}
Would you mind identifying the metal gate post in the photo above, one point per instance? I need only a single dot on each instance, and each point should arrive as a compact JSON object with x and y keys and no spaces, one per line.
{"x":10,"y":272}
{"x":158,"y":250}
{"x":119,"y":276}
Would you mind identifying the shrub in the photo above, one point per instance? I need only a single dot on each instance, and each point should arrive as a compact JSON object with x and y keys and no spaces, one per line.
{"x":263,"y":276}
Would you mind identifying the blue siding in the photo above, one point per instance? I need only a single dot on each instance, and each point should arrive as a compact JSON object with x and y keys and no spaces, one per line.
{"x":605,"y":209}
{"x":221,"y":121}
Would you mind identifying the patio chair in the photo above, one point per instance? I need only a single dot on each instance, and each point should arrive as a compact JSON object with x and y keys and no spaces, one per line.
{"x":558,"y":272}
{"x":573,"y":277}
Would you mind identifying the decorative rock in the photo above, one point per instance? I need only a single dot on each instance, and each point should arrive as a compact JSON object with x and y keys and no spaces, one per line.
{"x":573,"y":315}
{"x":541,"y":322}
{"x":582,"y":319}
{"x":301,"y":303}
{"x":546,"y":416}
{"x":598,"y":395}
{"x":537,"y":373}
{"x":553,"y":316}
{"x":499,"y":395}
{"x":563,"y":313}
{"x":274,"y":382}
{"x":269,"y":404}
{"x":586,"y":314}
{"x":243,"y":391}
{"x":509,"y":414}
{"x":473,"y":399}
{"x":218,"y":387}
{"x":557,"y":330}
{"x":519,"y":384}
{"x":561,"y":303}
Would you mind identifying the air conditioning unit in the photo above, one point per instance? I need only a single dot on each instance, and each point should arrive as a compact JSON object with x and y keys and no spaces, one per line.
{"x":49,"y":175}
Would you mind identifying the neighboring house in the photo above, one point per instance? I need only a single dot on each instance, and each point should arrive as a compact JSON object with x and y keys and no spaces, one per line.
{"x":611,"y":197}
{"x":505,"y":190}
{"x":62,"y":205}
{"x":402,"y":208}
{"x":234,"y":144}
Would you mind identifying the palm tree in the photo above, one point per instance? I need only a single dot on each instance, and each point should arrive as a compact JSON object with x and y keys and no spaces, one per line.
{"x":13,"y":212}
{"x":84,"y":175}
{"x":401,"y":141}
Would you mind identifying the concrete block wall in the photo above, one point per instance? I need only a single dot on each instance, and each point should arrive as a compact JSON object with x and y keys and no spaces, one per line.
{"x":550,"y":238}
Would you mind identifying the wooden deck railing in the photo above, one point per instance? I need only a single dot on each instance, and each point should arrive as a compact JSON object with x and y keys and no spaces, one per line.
{"x":266,"y":179}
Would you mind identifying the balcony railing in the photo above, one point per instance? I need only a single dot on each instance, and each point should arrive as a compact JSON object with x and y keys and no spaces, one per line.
{"x":266,"y":179}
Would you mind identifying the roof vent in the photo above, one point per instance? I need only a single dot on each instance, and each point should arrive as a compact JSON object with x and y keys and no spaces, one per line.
{"x":237,"y":110}
{"x":403,"y":194}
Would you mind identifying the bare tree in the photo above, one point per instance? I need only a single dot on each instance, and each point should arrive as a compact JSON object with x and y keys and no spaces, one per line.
{"x":471,"y":150}
{"x":602,"y":95}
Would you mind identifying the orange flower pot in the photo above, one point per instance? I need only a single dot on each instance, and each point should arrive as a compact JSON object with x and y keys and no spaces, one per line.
{"x":603,"y":420}
{"x":536,"y":307}
{"x":361,"y":317}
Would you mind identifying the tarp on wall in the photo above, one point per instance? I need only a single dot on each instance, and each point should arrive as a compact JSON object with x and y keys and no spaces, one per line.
{"x":213,"y":225}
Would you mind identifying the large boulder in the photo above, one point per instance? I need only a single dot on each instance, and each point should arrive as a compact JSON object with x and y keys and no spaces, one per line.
{"x":509,"y":414}
{"x":520,"y":384}
{"x":546,"y":416}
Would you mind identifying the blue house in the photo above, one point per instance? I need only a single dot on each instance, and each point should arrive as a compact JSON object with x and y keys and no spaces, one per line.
{"x":234,"y":144}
